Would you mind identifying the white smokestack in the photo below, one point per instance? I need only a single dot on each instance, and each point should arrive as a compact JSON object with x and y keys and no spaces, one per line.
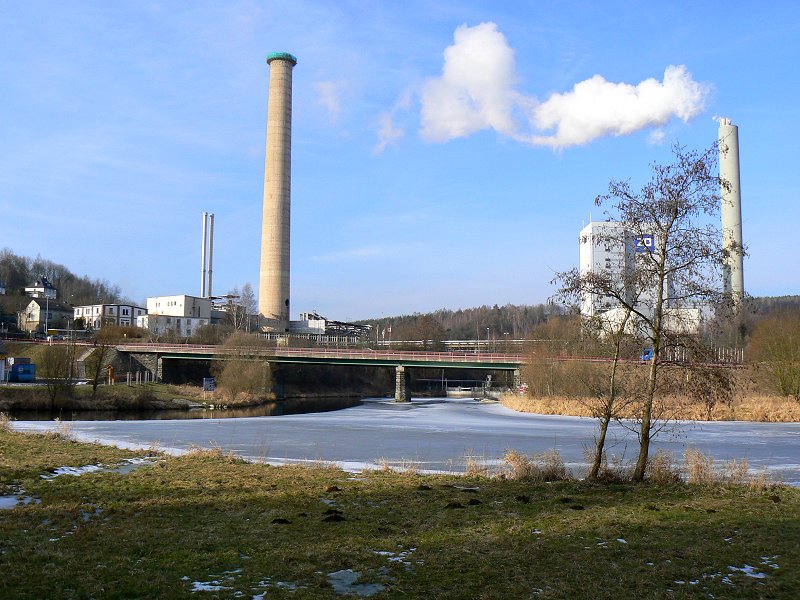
{"x":731,"y":208}
{"x":210,"y":251}
{"x":203,"y":257}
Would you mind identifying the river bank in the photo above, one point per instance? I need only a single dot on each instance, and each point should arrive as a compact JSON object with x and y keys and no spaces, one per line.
{"x":758,"y":409}
{"x":135,"y":398}
{"x":166,"y":526}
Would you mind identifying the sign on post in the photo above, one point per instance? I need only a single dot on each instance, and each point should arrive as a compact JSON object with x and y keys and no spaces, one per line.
{"x":209,"y":384}
{"x":645,"y":243}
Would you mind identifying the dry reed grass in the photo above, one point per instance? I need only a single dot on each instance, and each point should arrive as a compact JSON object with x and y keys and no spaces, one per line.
{"x":547,"y":466}
{"x":662,"y":469}
{"x":759,"y":408}
{"x":474,"y":466}
{"x":404,"y":467}
{"x":5,"y":422}
{"x":62,"y":431}
{"x":214,"y":452}
{"x":701,"y":469}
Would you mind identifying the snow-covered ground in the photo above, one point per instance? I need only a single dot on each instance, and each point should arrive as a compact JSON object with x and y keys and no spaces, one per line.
{"x":438,"y":435}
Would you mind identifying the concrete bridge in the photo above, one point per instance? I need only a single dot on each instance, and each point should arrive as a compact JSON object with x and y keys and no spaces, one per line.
{"x":152,"y":356}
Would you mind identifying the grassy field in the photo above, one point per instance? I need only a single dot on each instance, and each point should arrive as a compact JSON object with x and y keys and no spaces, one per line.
{"x":208,"y":525}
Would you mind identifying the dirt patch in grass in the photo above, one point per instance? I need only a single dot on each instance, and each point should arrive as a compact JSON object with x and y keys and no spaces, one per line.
{"x":208,"y":522}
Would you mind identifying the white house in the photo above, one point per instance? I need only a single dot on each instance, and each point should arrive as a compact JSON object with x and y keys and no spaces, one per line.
{"x":42,"y":313}
{"x":182,"y":314}
{"x":41,"y":288}
{"x":95,"y":316}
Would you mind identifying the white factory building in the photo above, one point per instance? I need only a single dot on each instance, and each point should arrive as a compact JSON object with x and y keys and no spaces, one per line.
{"x":182,"y":314}
{"x":607,"y":247}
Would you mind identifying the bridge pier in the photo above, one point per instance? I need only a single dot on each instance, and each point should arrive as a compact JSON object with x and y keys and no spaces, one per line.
{"x":276,"y":379}
{"x":401,"y":392}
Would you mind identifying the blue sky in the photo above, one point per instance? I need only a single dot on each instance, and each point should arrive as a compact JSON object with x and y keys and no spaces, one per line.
{"x":445,"y":154}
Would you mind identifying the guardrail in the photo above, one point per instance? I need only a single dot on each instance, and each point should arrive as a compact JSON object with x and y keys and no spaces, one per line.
{"x":341,"y":354}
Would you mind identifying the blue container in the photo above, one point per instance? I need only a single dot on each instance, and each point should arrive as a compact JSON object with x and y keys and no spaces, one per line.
{"x":25,"y":373}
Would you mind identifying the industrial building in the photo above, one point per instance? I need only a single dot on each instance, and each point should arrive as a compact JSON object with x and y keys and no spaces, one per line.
{"x":609,"y":250}
{"x":181,"y":314}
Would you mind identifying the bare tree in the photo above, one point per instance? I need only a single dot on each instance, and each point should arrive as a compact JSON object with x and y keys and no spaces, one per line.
{"x":241,"y":307}
{"x":775,"y":350}
{"x":56,"y":367}
{"x":243,"y":374}
{"x":673,"y":218}
{"x":97,"y":362}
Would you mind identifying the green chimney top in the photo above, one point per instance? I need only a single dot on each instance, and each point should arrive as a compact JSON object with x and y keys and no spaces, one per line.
{"x":281,"y":56}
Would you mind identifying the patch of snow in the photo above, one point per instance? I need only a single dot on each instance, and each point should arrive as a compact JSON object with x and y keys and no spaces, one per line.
{"x":208,"y":586}
{"x":344,"y":582}
{"x":769,"y":561}
{"x":73,"y":471}
{"x":8,"y":502}
{"x":749,"y":571}
{"x":621,"y":541}
{"x":124,"y":467}
{"x":287,"y":585}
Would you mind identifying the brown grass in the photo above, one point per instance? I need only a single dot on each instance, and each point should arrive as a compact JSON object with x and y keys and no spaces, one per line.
{"x":662,"y":468}
{"x":760,"y":408}
{"x":547,"y":466}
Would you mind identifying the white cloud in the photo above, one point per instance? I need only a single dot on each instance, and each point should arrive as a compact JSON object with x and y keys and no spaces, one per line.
{"x":656,"y":137}
{"x":330,"y":96}
{"x":597,"y":108}
{"x":365,"y":252}
{"x":388,"y":131}
{"x":476,"y":92}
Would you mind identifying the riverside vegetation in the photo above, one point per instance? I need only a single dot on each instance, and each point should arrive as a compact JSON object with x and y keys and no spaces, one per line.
{"x":210,"y":525}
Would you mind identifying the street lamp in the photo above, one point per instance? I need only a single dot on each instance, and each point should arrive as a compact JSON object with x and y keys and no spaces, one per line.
{"x":487,"y":339}
{"x":46,"y":313}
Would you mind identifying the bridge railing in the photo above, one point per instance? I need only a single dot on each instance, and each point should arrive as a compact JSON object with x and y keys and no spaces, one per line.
{"x":354,"y":354}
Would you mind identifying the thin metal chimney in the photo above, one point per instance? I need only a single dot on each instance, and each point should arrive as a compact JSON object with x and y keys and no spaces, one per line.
{"x":203,"y":256}
{"x":210,"y":251}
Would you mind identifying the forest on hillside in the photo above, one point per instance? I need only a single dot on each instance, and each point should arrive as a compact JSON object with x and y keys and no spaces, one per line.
{"x":515,"y":322}
{"x":496,"y":322}
{"x":17,"y":272}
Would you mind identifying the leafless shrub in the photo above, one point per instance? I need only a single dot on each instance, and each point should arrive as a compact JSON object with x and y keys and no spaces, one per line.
{"x":5,"y":422}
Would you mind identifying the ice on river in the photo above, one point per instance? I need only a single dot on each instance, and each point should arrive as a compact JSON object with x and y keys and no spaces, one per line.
{"x":434,"y":435}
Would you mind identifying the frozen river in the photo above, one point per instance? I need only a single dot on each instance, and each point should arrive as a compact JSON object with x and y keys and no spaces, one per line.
{"x":437,"y":435}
